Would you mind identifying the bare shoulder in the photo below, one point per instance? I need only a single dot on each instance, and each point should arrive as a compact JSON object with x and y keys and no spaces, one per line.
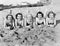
{"x":15,"y":20}
{"x":37,"y":19}
{"x":5,"y":21}
{"x":47,"y":19}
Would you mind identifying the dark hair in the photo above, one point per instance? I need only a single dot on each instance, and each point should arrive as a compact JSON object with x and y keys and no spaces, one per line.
{"x":50,"y":13}
{"x":19,"y":14}
{"x":10,"y":15}
{"x":40,"y":13}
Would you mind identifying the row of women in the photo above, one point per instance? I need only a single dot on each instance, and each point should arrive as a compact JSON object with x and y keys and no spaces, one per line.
{"x":30,"y":22}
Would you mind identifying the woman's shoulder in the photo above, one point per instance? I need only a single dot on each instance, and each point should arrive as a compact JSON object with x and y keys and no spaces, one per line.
{"x":6,"y":20}
{"x":15,"y":20}
{"x":43,"y":18}
{"x":37,"y":19}
{"x":47,"y":18}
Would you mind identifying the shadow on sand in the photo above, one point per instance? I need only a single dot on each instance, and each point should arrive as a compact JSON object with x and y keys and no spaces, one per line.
{"x":57,"y":22}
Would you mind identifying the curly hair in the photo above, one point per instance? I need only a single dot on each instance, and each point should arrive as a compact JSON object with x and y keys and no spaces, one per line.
{"x":40,"y":13}
{"x":11,"y":16}
{"x":19,"y":14}
{"x":50,"y":13}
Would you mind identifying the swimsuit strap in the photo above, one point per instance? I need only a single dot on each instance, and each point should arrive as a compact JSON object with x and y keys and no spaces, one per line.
{"x":7,"y":24}
{"x":40,"y":23}
{"x":27,"y":24}
{"x":20,"y":26}
{"x":50,"y":23}
{"x":10,"y":25}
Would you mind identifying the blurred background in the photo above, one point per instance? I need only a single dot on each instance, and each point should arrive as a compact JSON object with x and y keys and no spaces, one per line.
{"x":53,"y":5}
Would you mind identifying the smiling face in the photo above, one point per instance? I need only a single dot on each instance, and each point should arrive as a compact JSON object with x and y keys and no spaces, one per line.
{"x":19,"y":17}
{"x":51,"y":15}
{"x":9,"y":17}
{"x":39,"y":15}
{"x":29,"y":17}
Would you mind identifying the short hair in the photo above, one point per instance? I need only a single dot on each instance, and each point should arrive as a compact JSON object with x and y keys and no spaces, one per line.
{"x":10,"y":15}
{"x":40,"y":13}
{"x":50,"y":13}
{"x":19,"y":14}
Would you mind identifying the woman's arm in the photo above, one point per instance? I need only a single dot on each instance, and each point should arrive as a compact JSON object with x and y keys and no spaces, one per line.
{"x":24,"y":22}
{"x":47,"y":20}
{"x":16,"y":24}
{"x":36,"y":21}
{"x":55,"y":22}
{"x":44,"y":21}
{"x":4,"y":23}
{"x":5,"y":27}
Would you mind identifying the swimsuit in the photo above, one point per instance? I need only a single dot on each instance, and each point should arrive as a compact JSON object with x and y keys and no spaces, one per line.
{"x":40,"y":23}
{"x":27,"y":24}
{"x":10,"y":25}
{"x":50,"y":23}
{"x":20,"y":26}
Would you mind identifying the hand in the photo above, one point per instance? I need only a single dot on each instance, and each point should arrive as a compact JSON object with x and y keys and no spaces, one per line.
{"x":51,"y":25}
{"x":8,"y":28}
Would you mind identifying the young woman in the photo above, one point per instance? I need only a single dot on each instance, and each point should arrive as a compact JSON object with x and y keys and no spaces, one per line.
{"x":50,"y":20}
{"x":9,"y":23}
{"x":40,"y":21}
{"x":29,"y":21}
{"x":19,"y":20}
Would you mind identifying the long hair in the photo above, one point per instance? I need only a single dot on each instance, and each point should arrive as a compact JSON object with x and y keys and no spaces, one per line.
{"x":40,"y":13}
{"x":11,"y":16}
{"x":50,"y":13}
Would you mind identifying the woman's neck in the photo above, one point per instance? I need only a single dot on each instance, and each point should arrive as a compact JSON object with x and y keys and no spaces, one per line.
{"x":19,"y":20}
{"x":9,"y":21}
{"x":40,"y":18}
{"x":52,"y":18}
{"x":28,"y":21}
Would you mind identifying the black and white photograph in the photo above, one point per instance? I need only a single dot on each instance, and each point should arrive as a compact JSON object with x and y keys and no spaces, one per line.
{"x":29,"y":22}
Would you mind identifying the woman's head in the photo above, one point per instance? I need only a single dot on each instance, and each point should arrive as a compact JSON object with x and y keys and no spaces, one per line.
{"x":29,"y":17}
{"x":19,"y":16}
{"x":51,"y":14}
{"x":40,"y":14}
{"x":9,"y":17}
